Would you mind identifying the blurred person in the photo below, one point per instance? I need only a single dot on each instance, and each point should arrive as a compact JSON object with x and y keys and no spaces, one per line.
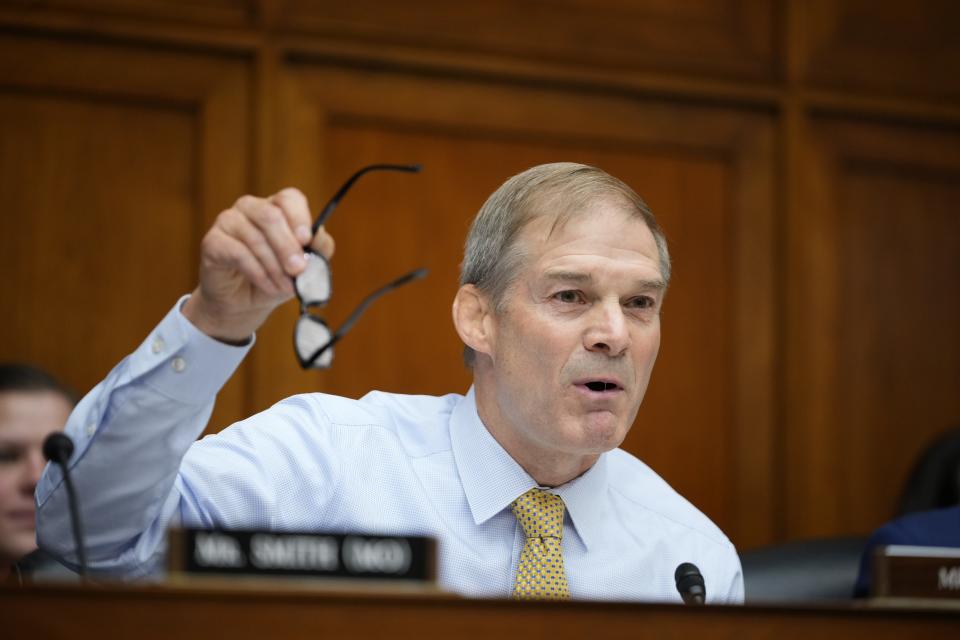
{"x":33,"y":404}
{"x":928,"y":513}
{"x":933,"y":528}
{"x":520,"y":479}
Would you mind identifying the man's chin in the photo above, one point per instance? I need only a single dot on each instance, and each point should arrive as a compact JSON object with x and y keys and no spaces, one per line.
{"x":18,"y":547}
{"x":603,"y":430}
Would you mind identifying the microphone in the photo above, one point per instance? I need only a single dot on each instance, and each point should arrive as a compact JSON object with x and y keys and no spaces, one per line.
{"x":690,"y":583}
{"x":57,"y":448}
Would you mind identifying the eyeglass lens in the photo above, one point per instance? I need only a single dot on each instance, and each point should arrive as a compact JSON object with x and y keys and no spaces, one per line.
{"x":312,"y":334}
{"x":313,"y":285}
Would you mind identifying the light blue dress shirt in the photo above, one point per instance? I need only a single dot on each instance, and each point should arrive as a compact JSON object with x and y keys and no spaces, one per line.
{"x":384,"y":464}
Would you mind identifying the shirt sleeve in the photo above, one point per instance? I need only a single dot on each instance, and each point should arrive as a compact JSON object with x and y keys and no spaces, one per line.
{"x":130,"y":435}
{"x":735,"y":592}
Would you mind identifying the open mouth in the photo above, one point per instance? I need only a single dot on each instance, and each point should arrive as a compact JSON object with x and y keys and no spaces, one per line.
{"x":601,"y":386}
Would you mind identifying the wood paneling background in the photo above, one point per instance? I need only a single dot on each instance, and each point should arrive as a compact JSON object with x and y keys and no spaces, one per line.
{"x":874,"y":345}
{"x":802,"y":157}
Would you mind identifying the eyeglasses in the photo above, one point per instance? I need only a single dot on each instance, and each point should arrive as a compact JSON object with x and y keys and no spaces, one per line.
{"x":312,"y":339}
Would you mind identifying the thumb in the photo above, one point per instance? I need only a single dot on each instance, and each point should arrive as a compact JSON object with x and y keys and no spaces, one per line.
{"x":323,"y":243}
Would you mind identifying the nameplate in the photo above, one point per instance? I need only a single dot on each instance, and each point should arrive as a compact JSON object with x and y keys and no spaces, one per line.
{"x":317,"y":555}
{"x":916,"y":572}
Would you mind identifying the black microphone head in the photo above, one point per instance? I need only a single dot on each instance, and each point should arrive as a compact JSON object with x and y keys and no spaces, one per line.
{"x":690,"y":583}
{"x":58,"y":447}
{"x":685,"y":569}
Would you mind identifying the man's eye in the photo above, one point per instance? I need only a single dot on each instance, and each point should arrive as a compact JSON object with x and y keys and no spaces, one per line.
{"x":570,"y":296}
{"x":643,"y":302}
{"x":8,"y":455}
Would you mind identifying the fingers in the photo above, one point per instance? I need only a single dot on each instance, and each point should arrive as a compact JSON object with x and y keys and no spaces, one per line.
{"x":264,"y":238}
{"x":295,"y":208}
{"x":247,"y":241}
{"x":273,"y":223}
{"x":294,"y":205}
{"x":224,"y":250}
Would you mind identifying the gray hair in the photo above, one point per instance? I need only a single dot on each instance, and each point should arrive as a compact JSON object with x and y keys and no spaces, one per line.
{"x":492,"y":257}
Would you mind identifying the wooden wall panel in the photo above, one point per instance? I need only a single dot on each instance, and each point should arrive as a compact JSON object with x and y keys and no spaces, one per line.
{"x":872,"y":318}
{"x":888,"y":47}
{"x":109,"y":172}
{"x":207,"y":12}
{"x":725,"y":38}
{"x":710,"y":184}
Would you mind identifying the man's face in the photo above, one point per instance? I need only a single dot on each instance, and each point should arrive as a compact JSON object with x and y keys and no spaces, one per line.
{"x":26,"y":418}
{"x":577,"y":337}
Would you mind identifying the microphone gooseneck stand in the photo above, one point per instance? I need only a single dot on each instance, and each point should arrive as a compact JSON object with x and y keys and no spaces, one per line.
{"x":57,"y":448}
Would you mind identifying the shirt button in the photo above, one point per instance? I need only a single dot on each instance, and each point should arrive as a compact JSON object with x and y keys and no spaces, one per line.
{"x":157,"y":345}
{"x":178,"y":364}
{"x":91,"y":429}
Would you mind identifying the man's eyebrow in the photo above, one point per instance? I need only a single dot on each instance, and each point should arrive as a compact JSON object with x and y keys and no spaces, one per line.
{"x":658,"y":285}
{"x":568,"y":276}
{"x":580,"y":277}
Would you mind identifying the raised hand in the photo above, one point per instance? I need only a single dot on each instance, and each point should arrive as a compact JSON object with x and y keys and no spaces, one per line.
{"x":247,"y":260}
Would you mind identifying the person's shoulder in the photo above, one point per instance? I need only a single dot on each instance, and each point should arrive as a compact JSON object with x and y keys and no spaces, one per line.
{"x":421,"y":422}
{"x":639,"y":485}
{"x":327,"y":408}
{"x":937,"y":527}
{"x":413,"y":408}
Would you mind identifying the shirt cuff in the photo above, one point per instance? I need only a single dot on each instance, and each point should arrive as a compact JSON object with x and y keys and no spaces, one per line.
{"x":186,"y":364}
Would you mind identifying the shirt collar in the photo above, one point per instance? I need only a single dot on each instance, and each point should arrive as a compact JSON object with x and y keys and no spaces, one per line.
{"x":492,"y":479}
{"x":585,"y":498}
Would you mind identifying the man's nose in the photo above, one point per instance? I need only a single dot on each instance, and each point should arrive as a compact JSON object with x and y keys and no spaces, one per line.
{"x":33,"y":464}
{"x":607,"y":331}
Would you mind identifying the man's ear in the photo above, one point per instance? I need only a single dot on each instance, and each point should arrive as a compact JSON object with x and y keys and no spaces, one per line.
{"x":472,"y":316}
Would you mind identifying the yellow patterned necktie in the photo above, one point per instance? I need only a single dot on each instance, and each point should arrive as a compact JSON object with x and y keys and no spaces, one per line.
{"x":540,"y":574}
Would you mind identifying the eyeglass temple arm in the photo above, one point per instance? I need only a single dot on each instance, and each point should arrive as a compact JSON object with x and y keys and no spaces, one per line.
{"x":416,"y":274}
{"x":335,"y":200}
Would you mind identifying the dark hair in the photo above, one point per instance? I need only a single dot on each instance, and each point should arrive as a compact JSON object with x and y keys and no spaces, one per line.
{"x":934,"y":481}
{"x":16,"y":376}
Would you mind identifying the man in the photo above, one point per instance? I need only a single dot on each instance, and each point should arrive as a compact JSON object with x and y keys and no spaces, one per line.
{"x":32,"y":405}
{"x":563,"y":278}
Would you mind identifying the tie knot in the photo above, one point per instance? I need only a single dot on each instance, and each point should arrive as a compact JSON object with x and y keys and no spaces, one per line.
{"x":540,"y":514}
